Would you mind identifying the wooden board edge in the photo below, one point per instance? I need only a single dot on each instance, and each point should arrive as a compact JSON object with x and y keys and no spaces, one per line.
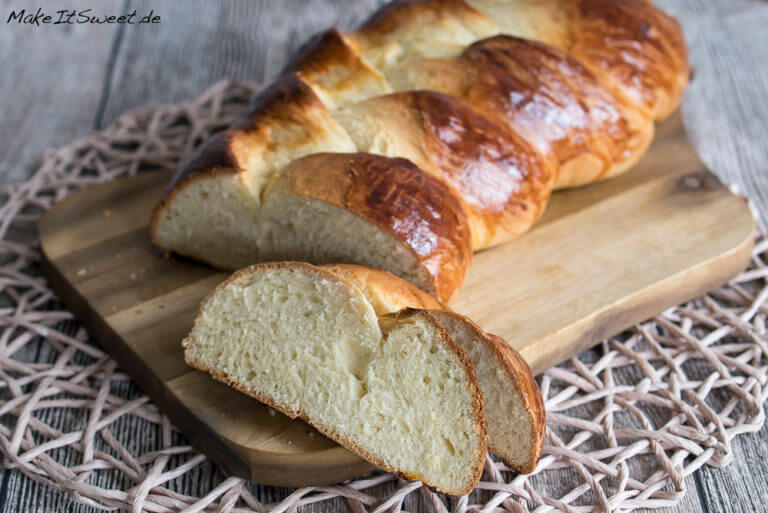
{"x":636,"y":309}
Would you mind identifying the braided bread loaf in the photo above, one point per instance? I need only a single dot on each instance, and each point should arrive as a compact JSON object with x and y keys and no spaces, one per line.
{"x":426,"y":135}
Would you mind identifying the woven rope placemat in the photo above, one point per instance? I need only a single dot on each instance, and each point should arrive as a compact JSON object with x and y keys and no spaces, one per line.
{"x":627,"y":421}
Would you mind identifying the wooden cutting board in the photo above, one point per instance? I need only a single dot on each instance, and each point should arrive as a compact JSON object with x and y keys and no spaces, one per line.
{"x":603,"y":257}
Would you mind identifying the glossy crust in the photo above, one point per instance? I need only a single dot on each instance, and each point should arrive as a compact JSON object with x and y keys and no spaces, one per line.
{"x":397,"y":197}
{"x":550,"y":98}
{"x":555,"y":99}
{"x":638,"y":46}
{"x":386,"y":321}
{"x":502,"y":179}
{"x":214,"y":155}
{"x":630,"y":43}
{"x":406,"y":16}
{"x":285,"y":116}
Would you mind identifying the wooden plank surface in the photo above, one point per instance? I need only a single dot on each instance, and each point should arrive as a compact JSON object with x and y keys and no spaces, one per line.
{"x":45,"y":96}
{"x":205,"y":42}
{"x":52,"y":93}
{"x":603,"y":258}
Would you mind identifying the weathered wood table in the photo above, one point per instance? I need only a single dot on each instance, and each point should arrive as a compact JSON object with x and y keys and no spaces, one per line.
{"x":60,"y":82}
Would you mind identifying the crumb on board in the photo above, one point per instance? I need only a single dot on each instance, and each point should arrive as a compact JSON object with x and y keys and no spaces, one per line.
{"x":142,"y":270}
{"x":118,"y":256}
{"x":81,"y":272}
{"x":109,"y":213}
{"x":133,"y":276}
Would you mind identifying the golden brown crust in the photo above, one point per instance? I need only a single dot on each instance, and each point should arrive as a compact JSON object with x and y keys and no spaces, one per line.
{"x":215,"y":153}
{"x":412,"y":15}
{"x":631,"y":44}
{"x":564,"y":111}
{"x":557,"y":102}
{"x":289,"y":101}
{"x":399,"y":198}
{"x":504,"y":181}
{"x":329,"y":63}
{"x":288,"y":114}
{"x":378,"y":285}
{"x":388,"y":321}
{"x":638,"y":46}
{"x":524,"y":383}
{"x":401,"y":21}
{"x":326,"y":49}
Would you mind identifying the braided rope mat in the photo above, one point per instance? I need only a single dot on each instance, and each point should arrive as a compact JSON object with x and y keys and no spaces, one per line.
{"x":627,"y":421}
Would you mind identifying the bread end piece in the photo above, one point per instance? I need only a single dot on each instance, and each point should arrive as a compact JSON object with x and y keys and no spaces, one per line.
{"x":514,"y":408}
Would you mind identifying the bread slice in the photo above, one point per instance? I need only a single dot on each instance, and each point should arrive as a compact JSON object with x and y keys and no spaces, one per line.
{"x":396,"y":389}
{"x":514,"y":410}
